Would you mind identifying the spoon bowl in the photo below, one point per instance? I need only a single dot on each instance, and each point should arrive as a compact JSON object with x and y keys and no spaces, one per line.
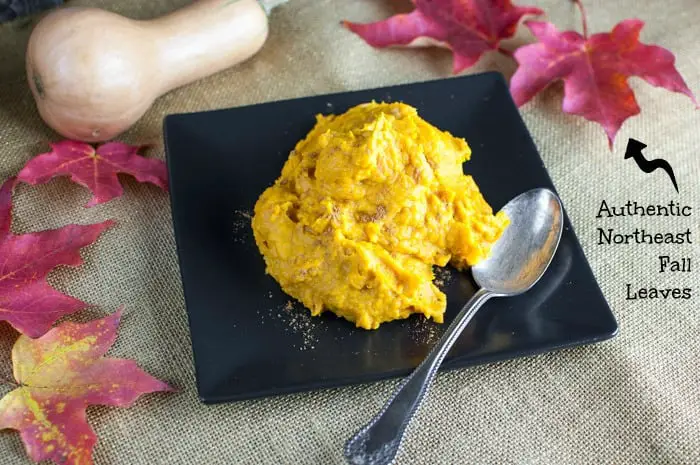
{"x":526,"y":248}
{"x":516,"y":262}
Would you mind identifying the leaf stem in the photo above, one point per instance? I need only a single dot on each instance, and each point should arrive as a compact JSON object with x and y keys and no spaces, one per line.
{"x":507,"y":53}
{"x":584,"y":20}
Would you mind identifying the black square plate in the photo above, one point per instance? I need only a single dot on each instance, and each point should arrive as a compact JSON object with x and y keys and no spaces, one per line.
{"x":251,"y":340}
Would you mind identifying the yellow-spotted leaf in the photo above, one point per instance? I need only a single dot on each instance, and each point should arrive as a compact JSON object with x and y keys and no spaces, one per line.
{"x":58,"y":375}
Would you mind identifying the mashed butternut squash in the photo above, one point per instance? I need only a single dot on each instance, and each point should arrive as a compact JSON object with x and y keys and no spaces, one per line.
{"x":366,"y":204}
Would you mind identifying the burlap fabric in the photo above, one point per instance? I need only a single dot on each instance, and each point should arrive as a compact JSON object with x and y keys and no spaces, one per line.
{"x":632,"y":400}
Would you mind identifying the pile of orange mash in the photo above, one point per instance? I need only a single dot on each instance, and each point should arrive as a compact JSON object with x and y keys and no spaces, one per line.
{"x":366,"y":204}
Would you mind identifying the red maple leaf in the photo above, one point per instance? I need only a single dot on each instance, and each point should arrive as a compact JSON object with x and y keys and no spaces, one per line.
{"x":58,"y":376}
{"x":595,"y":71}
{"x":95,"y":169}
{"x":467,"y":27}
{"x":27,"y":301}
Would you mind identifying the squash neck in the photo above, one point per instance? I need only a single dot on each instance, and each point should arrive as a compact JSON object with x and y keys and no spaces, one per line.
{"x":207,"y":37}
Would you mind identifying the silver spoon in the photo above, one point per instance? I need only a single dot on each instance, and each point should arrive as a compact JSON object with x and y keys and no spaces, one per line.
{"x":517,"y":261}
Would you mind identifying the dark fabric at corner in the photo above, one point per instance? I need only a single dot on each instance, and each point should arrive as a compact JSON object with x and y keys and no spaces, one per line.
{"x":13,"y":9}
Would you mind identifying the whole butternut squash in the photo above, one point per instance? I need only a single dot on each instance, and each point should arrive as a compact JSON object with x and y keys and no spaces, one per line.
{"x":94,"y":73}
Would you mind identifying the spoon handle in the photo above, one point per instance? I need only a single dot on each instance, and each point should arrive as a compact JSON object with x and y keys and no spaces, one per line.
{"x":379,"y":441}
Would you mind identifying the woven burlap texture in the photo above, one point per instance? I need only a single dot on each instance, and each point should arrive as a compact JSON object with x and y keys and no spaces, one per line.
{"x":632,"y":400}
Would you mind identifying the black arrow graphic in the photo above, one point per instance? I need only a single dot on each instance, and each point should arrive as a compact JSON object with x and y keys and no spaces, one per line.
{"x":634,"y":150}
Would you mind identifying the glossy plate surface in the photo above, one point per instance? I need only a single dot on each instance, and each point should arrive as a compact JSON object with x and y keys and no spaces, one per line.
{"x":251,"y":340}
